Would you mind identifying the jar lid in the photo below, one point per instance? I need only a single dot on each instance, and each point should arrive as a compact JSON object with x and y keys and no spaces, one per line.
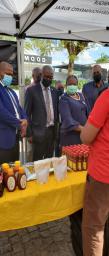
{"x":17,"y":163}
{"x":5,"y":166}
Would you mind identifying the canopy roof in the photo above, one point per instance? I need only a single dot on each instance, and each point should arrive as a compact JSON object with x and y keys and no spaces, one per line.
{"x":17,"y":15}
{"x":66,"y":19}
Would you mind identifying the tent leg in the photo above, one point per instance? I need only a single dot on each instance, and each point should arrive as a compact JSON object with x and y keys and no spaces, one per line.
{"x":21,"y":79}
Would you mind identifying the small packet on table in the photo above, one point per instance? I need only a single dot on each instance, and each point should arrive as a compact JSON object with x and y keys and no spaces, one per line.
{"x":60,"y":167}
{"x":42,"y":168}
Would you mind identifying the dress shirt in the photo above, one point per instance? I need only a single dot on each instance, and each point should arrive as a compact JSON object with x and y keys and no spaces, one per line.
{"x":51,"y":121}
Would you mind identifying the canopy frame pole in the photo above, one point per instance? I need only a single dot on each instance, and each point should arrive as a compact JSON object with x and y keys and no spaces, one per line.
{"x":20,"y":61}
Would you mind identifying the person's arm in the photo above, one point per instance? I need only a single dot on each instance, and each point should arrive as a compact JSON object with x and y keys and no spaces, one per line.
{"x":97,"y":119}
{"x":7,"y":118}
{"x":78,"y":129}
{"x":88,"y":133}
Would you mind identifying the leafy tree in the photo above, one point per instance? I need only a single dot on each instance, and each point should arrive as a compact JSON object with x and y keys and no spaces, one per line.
{"x":46,"y":46}
{"x":103,"y":59}
{"x":73,"y":48}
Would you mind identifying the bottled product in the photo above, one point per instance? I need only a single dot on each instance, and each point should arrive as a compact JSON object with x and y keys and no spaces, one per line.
{"x":85,"y":161}
{"x":74,"y":161}
{"x":21,"y":179}
{"x":77,"y":156}
{"x":70,"y":160}
{"x":79,"y":162}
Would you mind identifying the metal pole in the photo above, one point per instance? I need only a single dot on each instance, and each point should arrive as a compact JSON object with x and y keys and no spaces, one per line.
{"x":21,"y":78}
{"x":21,"y":81}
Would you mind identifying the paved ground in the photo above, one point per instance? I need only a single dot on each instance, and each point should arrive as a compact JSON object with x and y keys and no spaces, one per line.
{"x":50,"y":239}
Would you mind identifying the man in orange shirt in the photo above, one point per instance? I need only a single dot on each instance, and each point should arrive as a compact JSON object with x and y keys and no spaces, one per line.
{"x":96,"y":202}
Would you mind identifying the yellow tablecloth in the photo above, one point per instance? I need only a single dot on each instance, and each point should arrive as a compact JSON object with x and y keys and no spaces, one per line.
{"x":42,"y":203}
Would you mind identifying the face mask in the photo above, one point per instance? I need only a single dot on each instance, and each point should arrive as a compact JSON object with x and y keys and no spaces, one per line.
{"x":7,"y":80}
{"x":97,"y":78}
{"x":71,"y":89}
{"x":46,"y":82}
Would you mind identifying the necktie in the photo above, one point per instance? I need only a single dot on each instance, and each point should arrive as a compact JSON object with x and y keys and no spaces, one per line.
{"x":47,"y":104}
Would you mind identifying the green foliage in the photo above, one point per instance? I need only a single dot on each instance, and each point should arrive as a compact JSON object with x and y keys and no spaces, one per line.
{"x":81,"y":82}
{"x":103,"y":59}
{"x":14,"y":87}
{"x":46,"y":46}
{"x":27,"y":80}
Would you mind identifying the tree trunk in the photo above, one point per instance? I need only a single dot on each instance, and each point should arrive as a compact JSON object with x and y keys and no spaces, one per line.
{"x":70,"y":68}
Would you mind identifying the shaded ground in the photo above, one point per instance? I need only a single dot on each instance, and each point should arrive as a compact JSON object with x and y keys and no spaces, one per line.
{"x":50,"y":239}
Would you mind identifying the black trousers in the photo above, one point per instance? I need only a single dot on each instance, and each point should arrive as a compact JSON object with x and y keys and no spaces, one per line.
{"x":45,"y":148}
{"x":10,"y":155}
{"x":76,"y":234}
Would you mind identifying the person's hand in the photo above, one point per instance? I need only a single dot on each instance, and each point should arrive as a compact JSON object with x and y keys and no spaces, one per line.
{"x":23,"y":127}
{"x":79,"y":128}
{"x":23,"y":122}
{"x":30,"y":140}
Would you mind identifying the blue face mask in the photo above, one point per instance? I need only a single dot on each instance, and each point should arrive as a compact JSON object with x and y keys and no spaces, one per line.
{"x":71,"y":89}
{"x":7,"y":80}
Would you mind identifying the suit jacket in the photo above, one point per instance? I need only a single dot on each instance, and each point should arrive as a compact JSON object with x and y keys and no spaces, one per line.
{"x":36,"y":111}
{"x":91,"y":93}
{"x":8,"y":121}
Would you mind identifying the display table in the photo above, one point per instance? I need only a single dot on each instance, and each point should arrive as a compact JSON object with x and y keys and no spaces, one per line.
{"x":42,"y":203}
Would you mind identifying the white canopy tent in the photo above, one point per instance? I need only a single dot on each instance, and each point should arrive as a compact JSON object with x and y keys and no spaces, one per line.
{"x":60,"y":19}
{"x":15,"y":18}
{"x":75,"y":20}
{"x":68,"y":19}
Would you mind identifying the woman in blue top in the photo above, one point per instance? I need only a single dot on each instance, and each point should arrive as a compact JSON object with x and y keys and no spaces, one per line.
{"x":73,"y":113}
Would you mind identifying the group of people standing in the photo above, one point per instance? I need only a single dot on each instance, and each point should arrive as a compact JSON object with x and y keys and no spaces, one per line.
{"x":53,"y":118}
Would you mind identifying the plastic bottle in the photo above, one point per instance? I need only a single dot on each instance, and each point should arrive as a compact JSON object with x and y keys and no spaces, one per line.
{"x":21,"y":179}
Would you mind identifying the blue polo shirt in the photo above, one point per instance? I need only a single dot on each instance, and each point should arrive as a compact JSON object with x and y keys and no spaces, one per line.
{"x":91,"y":92}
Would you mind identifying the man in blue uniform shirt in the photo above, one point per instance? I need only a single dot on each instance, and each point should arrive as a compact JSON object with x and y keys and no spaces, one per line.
{"x":92,"y":89}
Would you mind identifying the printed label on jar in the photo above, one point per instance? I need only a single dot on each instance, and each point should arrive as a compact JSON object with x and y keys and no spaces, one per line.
{"x":74,"y":166}
{"x":11,"y":183}
{"x":70,"y":164}
{"x":79,"y":166}
{"x":23,"y":181}
{"x":84,"y":166}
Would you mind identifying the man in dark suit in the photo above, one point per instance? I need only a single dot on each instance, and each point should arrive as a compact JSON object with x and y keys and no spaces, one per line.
{"x":41,"y":105}
{"x":12,"y":117}
{"x":36,"y":77}
{"x":92,"y":89}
